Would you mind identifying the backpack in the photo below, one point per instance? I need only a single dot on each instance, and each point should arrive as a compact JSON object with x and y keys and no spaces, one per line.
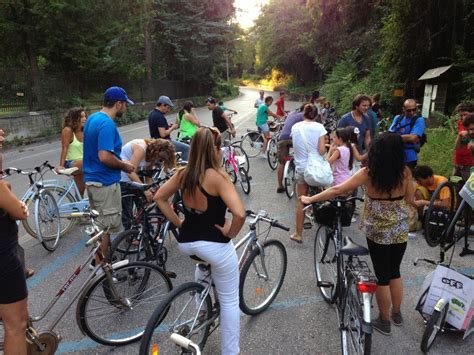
{"x":423,"y":138}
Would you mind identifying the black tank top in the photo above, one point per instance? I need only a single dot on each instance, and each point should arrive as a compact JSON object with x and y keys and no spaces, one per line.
{"x":200,"y":225}
{"x":8,"y":235}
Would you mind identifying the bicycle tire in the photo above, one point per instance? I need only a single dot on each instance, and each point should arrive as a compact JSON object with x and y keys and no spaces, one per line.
{"x":354,"y":340}
{"x":325,"y":263}
{"x":115,"y":324}
{"x":252,"y":143}
{"x":290,"y":179}
{"x":437,"y":220}
{"x":272,"y":155}
{"x":129,"y":245}
{"x":244,"y":180}
{"x":171,"y":311}
{"x":433,"y":327}
{"x":58,"y":192}
{"x":256,"y":287}
{"x":47,"y":220}
{"x":29,"y":222}
{"x":239,"y":151}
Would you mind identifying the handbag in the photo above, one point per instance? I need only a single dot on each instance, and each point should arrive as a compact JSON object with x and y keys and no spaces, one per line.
{"x":318,"y":171}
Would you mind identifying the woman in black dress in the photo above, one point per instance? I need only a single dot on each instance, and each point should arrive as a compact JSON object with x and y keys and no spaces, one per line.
{"x":13,"y":291}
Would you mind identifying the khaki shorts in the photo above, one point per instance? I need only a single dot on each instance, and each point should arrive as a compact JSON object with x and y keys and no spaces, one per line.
{"x":283,"y":150}
{"x":106,"y":200}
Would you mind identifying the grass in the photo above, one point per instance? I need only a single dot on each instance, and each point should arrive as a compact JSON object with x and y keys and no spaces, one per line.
{"x":438,"y":151}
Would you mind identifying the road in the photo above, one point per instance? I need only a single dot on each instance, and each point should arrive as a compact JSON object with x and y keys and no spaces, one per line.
{"x":298,"y":322}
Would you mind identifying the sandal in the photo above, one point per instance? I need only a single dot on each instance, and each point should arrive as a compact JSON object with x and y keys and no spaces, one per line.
{"x":29,"y":272}
{"x":280,"y":189}
{"x":296,"y":238}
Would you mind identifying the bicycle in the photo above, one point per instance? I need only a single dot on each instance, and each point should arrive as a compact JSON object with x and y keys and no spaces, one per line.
{"x":440,"y":223}
{"x":189,"y":311}
{"x":108,"y":300}
{"x":272,"y":150}
{"x":145,"y":239}
{"x":45,"y":213}
{"x":348,"y":283}
{"x":233,"y":165}
{"x":289,"y":176}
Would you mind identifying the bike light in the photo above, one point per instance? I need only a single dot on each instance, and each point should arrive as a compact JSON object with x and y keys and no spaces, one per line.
{"x":367,"y":286}
{"x":154,"y":350}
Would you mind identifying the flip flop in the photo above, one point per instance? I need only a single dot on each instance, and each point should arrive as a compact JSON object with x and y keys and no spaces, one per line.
{"x":29,"y":272}
{"x":296,"y":239}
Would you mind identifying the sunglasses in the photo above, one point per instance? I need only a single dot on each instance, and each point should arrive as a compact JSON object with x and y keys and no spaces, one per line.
{"x":410,"y":109}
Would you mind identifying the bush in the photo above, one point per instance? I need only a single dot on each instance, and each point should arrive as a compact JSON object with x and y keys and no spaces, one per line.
{"x":223,"y":90}
{"x":438,"y":151}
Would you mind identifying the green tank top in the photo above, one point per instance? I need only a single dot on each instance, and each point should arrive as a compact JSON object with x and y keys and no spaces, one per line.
{"x":187,"y":128}
{"x":75,"y":150}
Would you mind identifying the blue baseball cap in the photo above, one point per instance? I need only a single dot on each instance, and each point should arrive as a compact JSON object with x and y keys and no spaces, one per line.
{"x":116,"y":93}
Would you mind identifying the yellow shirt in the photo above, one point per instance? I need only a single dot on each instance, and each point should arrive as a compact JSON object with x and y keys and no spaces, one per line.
{"x":438,"y":180}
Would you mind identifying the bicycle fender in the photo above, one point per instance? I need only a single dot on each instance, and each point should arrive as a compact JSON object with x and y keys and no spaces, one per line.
{"x":120,"y":263}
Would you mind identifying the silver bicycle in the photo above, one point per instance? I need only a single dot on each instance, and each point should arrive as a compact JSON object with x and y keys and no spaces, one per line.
{"x":192,"y":309}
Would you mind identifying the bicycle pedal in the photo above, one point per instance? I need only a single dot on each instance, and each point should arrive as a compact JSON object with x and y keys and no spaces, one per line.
{"x":249,"y":178}
{"x":324,"y":284}
{"x":307,"y":225}
{"x":170,"y":274}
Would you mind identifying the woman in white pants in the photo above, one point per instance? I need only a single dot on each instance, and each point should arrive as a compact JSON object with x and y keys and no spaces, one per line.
{"x":207,"y":193}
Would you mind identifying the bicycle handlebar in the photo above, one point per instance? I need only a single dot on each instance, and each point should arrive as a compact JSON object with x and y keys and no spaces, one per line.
{"x":37,"y":169}
{"x":263,"y":216}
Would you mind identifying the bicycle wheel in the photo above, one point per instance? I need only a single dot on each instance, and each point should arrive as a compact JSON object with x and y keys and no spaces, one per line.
{"x":325,"y":263}
{"x":261,"y":277}
{"x":244,"y":180}
{"x":290,"y":179}
{"x":183,"y":311}
{"x":252,"y":143}
{"x":130,"y":245}
{"x":354,"y":339}
{"x":108,"y":320}
{"x":272,"y":156}
{"x":433,"y":327}
{"x":63,"y":197}
{"x":437,"y":219}
{"x":29,"y":223}
{"x":241,"y":156}
{"x":47,"y":221}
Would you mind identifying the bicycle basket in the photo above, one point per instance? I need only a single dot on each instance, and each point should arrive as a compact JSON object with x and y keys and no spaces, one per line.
{"x":325,"y":214}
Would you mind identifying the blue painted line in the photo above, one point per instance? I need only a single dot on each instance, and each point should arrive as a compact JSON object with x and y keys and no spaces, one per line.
{"x":81,"y":345}
{"x":56,"y":264}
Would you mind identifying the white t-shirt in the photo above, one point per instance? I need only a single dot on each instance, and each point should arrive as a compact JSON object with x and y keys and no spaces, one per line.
{"x":259,"y":102}
{"x":127,"y":155}
{"x":309,"y":132}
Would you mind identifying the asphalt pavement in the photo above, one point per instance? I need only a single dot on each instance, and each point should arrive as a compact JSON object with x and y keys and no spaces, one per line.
{"x":298,"y":322}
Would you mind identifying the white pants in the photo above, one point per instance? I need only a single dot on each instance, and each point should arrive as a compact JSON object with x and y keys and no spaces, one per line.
{"x":225,"y":274}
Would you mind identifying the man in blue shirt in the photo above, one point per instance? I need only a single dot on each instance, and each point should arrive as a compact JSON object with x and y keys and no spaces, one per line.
{"x":359,"y":118}
{"x":411,"y":128}
{"x":102,"y":163}
{"x":159,"y":127}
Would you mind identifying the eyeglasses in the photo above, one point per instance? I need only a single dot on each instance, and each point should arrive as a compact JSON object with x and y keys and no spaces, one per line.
{"x":410,"y":109}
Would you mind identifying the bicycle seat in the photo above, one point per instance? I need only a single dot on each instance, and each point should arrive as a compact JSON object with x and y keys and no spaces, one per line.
{"x":68,"y":172}
{"x":351,"y":248}
{"x":198,"y":260}
{"x":137,"y":188}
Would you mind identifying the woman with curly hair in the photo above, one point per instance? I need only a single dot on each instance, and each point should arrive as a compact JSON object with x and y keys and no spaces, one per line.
{"x":389,"y":190}
{"x":71,"y":144}
{"x":143,"y":154}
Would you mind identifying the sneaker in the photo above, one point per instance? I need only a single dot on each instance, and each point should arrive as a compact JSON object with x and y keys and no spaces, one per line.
{"x":353,"y":220}
{"x":382,"y":326}
{"x":397,"y":318}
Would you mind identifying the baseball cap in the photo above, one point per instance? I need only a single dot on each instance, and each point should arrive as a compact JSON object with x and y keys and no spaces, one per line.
{"x":211,"y":100}
{"x":165,"y":100}
{"x":116,"y":93}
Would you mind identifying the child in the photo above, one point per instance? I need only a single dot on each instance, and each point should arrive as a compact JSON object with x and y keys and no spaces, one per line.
{"x":341,"y":155}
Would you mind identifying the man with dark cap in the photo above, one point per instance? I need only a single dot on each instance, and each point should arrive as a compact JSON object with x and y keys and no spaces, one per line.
{"x":159,"y":127}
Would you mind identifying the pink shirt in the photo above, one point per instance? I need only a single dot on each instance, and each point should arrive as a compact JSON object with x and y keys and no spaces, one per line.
{"x":341,"y":170}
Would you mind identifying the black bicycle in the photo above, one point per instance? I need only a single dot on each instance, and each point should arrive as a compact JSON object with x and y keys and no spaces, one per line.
{"x":347,"y":282}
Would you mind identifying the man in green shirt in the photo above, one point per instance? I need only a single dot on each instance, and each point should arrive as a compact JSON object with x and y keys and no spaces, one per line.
{"x":263,"y":112}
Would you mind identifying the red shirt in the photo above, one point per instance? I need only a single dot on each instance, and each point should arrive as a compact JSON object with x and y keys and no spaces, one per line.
{"x":463,"y":155}
{"x":280,"y":104}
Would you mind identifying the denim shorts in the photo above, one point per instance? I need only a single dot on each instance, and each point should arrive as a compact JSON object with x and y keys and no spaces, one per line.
{"x":264,"y":128}
{"x":68,"y":164}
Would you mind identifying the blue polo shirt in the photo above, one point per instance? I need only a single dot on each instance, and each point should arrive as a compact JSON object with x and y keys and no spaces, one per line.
{"x":401,"y":125}
{"x":364,"y":126}
{"x":100,"y":133}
